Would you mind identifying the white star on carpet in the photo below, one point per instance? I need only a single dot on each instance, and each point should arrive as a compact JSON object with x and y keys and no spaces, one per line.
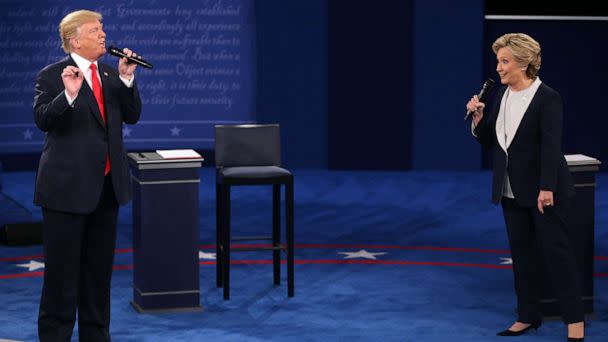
{"x":362,"y":253}
{"x":126,"y":132}
{"x":175,"y":131}
{"x":27,"y":134}
{"x":32,"y":265}
{"x":506,"y":261}
{"x":207,"y":256}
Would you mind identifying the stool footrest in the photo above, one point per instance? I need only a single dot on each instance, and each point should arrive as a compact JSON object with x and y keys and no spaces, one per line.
{"x":248,"y":249}
{"x":252,"y":238}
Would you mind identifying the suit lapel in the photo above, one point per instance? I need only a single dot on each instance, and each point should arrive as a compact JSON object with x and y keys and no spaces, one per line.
{"x":500,"y":122}
{"x":87,"y":94}
{"x":529,"y":100}
{"x":90,"y":98}
{"x":518,"y":121}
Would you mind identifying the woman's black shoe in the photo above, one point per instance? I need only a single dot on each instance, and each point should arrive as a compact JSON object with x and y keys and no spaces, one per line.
{"x":576,"y":339}
{"x":520,"y":332}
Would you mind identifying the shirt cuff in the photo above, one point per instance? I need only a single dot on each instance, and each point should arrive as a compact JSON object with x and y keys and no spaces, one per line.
{"x":128,"y":83}
{"x":70,"y":100}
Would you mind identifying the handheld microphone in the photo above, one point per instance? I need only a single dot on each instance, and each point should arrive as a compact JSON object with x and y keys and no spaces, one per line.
{"x":114,"y":51}
{"x":485,"y":90}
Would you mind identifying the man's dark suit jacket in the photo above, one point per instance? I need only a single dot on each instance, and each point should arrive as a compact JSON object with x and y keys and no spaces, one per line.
{"x":71,"y":171}
{"x":535,"y":159}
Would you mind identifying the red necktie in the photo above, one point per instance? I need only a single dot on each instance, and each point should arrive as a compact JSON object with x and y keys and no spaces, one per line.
{"x":99,"y":97}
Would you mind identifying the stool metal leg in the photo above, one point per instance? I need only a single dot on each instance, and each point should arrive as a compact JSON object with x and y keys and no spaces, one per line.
{"x":226,"y":240}
{"x":289,"y":217}
{"x":276,"y":232}
{"x":218,"y":235}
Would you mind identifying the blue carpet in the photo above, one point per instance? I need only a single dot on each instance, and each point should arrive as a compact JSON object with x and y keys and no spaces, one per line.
{"x":440,"y":279}
{"x":11,"y":211}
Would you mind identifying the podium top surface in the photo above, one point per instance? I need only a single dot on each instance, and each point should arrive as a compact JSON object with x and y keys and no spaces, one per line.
{"x":580,"y":160}
{"x":145,"y":160}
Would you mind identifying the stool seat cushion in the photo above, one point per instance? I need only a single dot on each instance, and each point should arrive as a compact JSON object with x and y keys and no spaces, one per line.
{"x":256,"y":172}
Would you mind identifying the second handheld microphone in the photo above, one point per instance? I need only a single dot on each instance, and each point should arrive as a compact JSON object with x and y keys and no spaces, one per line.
{"x":483,"y":94}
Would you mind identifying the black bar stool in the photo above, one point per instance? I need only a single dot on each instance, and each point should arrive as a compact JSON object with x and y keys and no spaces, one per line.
{"x":251,"y":155}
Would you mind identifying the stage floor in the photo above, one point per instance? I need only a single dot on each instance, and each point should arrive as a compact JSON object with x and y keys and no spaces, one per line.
{"x":391,"y":256}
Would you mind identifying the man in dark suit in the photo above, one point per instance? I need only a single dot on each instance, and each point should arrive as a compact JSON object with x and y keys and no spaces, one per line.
{"x":82,"y":178}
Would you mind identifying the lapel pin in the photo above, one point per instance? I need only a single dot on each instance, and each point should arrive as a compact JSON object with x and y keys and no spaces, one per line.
{"x":105,"y":74}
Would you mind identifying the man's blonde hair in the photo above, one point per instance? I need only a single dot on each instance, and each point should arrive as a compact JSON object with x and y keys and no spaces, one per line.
{"x":68,"y":28}
{"x":524,"y":48}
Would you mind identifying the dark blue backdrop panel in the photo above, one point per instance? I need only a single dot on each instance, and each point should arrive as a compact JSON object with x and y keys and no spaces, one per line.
{"x":573,"y":54}
{"x":203,"y":54}
{"x":369,"y":84}
{"x":448,"y":66}
{"x":291,"y":77}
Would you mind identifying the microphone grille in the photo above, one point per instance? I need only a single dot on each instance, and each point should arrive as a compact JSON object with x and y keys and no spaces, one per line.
{"x":113,"y":50}
{"x":489,"y":83}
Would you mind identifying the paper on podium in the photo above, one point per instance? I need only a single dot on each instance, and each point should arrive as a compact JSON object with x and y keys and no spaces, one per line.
{"x":580,"y":159}
{"x":178,"y":154}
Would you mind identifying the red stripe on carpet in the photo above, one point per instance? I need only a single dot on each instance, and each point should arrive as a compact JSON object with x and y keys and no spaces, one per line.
{"x":345,"y":246}
{"x":22,"y":275}
{"x":19,"y":258}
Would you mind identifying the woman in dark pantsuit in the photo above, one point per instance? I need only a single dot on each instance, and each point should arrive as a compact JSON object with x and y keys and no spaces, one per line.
{"x":531,"y":181}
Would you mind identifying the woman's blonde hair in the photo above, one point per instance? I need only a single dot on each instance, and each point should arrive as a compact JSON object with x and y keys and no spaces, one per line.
{"x":68,"y":28}
{"x":524,"y":48}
